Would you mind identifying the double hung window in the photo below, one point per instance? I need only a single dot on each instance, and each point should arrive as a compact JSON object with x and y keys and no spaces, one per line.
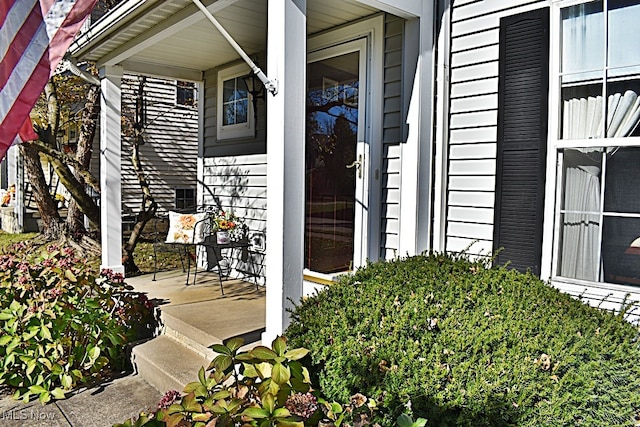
{"x":598,"y":143}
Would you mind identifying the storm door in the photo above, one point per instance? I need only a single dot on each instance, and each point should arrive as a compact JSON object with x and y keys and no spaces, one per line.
{"x":336,"y":172}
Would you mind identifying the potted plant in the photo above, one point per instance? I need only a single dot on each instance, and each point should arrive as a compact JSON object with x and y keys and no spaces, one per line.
{"x":226,"y":225}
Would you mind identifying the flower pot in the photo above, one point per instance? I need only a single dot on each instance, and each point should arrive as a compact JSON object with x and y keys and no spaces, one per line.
{"x":223,"y":237}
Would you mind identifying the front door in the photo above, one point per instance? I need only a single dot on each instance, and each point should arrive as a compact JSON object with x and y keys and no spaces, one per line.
{"x":336,"y":172}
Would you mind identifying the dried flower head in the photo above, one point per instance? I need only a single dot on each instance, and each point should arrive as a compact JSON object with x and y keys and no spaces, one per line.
{"x":303,"y":405}
{"x":168,"y":399}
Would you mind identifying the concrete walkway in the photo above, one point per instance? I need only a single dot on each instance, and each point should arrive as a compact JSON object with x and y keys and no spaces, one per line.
{"x":239,"y":311}
{"x":101,"y":406}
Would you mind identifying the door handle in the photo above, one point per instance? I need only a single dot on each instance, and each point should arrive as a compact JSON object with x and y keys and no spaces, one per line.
{"x":357,"y":164}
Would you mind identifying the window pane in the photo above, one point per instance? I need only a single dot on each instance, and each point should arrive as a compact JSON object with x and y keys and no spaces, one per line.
{"x":241,"y":111}
{"x":228,"y":90}
{"x":622,"y":184}
{"x":624,"y":16}
{"x":583,"y":38}
{"x":621,"y":250}
{"x":623,"y":108}
{"x":582,"y":111}
{"x":580,"y":221}
{"x":228,"y":114}
{"x":579,"y":252}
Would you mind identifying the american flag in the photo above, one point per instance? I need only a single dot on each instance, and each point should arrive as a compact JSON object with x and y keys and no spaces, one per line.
{"x":34,"y":36}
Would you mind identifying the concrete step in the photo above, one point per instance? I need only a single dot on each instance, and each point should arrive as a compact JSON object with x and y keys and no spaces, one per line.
{"x":198,"y":334}
{"x":167,"y":364}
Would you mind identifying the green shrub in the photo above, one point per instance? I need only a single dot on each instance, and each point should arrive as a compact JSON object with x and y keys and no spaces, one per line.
{"x":463,"y":345}
{"x":62,"y":323}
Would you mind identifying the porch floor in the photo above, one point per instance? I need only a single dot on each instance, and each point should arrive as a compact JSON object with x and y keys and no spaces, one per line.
{"x":239,"y":312}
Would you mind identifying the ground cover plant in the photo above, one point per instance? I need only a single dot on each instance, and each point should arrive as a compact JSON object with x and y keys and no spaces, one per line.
{"x":262,"y":387}
{"x":461,"y":344}
{"x":62,"y":322}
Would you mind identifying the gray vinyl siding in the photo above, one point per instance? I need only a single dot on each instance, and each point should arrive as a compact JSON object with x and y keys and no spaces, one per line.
{"x":169,"y":155}
{"x":394,"y":133}
{"x":234,"y":146}
{"x":473,"y":121}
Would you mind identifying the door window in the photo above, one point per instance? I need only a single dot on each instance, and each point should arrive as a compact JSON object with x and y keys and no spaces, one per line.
{"x":331,"y":150}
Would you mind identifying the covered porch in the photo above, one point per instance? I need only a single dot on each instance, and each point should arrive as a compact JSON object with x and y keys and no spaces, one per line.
{"x":262,"y":163}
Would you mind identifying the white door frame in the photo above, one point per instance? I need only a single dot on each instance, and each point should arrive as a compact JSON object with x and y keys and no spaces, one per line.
{"x":361,"y":192}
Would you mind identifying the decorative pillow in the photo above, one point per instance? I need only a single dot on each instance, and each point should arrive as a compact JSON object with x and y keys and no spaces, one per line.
{"x":186,"y":228}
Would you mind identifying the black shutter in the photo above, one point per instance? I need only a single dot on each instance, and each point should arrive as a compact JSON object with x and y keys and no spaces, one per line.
{"x":522,"y":139}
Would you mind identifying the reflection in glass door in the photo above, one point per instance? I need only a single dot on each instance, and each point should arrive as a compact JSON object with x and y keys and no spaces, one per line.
{"x":333,"y":161}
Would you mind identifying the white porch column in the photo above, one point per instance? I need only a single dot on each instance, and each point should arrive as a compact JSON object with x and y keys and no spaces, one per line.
{"x":286,"y":63}
{"x":110,"y":167}
{"x":417,"y":152}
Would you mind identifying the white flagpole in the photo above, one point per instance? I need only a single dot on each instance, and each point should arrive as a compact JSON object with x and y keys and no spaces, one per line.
{"x":270,"y":85}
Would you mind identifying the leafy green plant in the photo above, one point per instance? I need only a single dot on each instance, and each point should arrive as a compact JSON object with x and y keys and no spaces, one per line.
{"x":405,"y":420}
{"x":459,"y":343}
{"x":263,"y":387}
{"x":62,"y":323}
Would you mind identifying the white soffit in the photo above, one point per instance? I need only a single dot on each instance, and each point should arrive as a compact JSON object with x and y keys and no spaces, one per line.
{"x":175,"y":34}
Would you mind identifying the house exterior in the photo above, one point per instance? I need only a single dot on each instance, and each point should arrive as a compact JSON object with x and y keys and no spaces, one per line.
{"x":389,"y":128}
{"x":168,"y":156}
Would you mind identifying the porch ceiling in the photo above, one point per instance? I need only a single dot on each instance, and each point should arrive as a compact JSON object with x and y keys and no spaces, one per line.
{"x":159,"y":36}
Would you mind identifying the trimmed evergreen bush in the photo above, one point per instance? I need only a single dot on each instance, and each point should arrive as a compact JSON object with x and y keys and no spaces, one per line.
{"x":460,"y":344}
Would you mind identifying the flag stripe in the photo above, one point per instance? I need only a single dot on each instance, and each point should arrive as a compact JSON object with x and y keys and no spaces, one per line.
{"x":33,"y":38}
{"x":75,"y":13}
{"x":23,"y":72}
{"x":14,"y":118}
{"x":13,"y":51}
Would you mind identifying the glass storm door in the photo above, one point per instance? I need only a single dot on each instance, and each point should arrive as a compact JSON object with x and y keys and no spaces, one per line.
{"x":335,"y":159}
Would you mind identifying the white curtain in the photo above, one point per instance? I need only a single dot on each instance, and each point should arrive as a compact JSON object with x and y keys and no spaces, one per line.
{"x":580,"y":257}
{"x":582,"y":117}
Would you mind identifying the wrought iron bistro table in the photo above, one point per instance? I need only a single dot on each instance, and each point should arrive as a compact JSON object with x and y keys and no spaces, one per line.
{"x":222,"y":253}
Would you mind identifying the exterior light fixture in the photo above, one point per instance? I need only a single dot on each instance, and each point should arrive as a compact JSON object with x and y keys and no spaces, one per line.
{"x":256,"y":89}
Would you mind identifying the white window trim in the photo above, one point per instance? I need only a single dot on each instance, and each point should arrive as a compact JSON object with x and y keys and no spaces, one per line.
{"x":242,"y":130}
{"x":551,"y":227}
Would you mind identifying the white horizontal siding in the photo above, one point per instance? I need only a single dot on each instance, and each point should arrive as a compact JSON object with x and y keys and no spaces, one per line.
{"x":470,"y":246}
{"x":482,"y":16}
{"x":484,"y":70}
{"x":475,"y":56}
{"x":471,"y":183}
{"x":474,"y":41}
{"x":239,"y":184}
{"x":470,"y":214}
{"x":472,"y":198}
{"x":473,"y":119}
{"x":473,"y":10}
{"x":485,"y":167}
{"x":466,"y":136}
{"x":474,"y":88}
{"x":473,"y":151}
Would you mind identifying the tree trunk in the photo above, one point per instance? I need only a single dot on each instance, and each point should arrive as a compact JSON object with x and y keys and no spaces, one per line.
{"x":148,"y":206}
{"x":51,"y":227}
{"x":75,"y":217}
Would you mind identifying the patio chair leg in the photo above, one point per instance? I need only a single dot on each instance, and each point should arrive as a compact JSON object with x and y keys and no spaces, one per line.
{"x":195,"y":263}
{"x":188,"y":266}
